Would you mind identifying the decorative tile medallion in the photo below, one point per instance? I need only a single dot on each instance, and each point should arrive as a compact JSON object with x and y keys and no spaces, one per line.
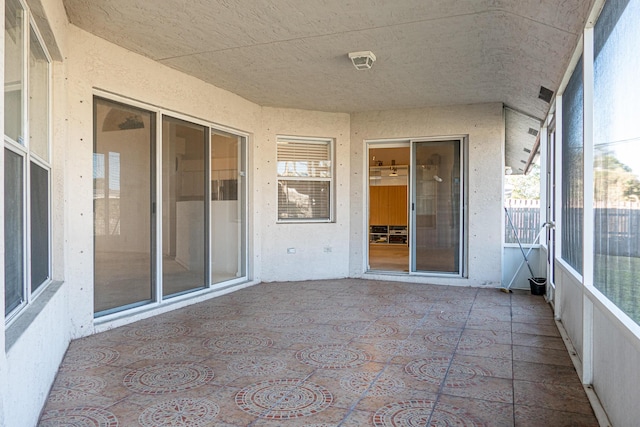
{"x":283,"y":399}
{"x":360,"y":382}
{"x":305,"y":336}
{"x":154,"y":332}
{"x":388,"y":310}
{"x":430,"y":369}
{"x":78,"y":417}
{"x":463,"y":374}
{"x":408,"y":322}
{"x":406,"y":298}
{"x":474,"y":342}
{"x":367,"y":330}
{"x":401,"y":348}
{"x":410,"y":413}
{"x":443,"y":339}
{"x":88,"y":357}
{"x":284,"y":320}
{"x":333,"y":356}
{"x":64,"y":395}
{"x":168,"y":378}
{"x":256,"y":365}
{"x":453,"y":316}
{"x":86,"y":383}
{"x":180,"y":412}
{"x":224,"y":325}
{"x":354,"y":328}
{"x":76,"y":388}
{"x":421,"y":413}
{"x":162,"y":350}
{"x":237,"y":343}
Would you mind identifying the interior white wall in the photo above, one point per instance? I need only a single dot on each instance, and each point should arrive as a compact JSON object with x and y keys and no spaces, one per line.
{"x":484,"y":126}
{"x":321,"y":249}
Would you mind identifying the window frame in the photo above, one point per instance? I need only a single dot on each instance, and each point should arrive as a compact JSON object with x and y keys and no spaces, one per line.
{"x":281,"y":140}
{"x":28,"y":157}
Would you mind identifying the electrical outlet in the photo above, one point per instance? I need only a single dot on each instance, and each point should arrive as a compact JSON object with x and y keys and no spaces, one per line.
{"x":291,"y":250}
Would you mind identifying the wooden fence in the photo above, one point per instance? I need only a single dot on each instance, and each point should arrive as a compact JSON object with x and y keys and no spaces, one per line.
{"x":525,"y":215}
{"x":617,"y":227}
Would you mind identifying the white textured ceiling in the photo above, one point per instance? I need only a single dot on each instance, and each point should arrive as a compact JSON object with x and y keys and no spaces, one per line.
{"x":293,"y":53}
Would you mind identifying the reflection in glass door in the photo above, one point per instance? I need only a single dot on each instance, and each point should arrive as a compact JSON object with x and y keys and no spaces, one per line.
{"x":201,"y":188}
{"x":184,"y":242}
{"x":123,"y":177}
{"x":437,"y":195}
{"x":228,"y":208}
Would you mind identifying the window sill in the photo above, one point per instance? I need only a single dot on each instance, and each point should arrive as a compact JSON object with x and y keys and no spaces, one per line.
{"x":29,"y":314}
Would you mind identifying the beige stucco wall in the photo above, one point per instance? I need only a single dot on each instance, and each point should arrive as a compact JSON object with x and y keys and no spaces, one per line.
{"x":484,"y":126}
{"x":94,"y":64}
{"x":321,"y":250}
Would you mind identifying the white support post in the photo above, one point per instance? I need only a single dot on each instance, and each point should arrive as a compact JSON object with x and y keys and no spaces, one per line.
{"x":558,"y":205}
{"x":588,"y":228}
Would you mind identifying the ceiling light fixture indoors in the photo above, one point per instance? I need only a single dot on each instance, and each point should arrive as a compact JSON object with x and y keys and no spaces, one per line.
{"x":362,"y":60}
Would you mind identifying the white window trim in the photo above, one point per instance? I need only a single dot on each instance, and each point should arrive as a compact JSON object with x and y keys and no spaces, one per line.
{"x":28,"y":157}
{"x":331,"y":179}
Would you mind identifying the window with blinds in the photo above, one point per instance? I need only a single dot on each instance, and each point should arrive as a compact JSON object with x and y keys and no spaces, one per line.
{"x":305,"y":179}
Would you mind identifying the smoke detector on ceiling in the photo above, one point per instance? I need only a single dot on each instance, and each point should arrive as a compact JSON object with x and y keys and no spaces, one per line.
{"x":362,"y":60}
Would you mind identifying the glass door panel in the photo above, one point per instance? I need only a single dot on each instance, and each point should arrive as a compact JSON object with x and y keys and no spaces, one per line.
{"x":228,"y":208}
{"x":184,"y":159}
{"x":123,"y":204}
{"x":436,"y":178}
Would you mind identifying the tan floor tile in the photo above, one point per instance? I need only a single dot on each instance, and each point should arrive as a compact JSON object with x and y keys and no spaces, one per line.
{"x":465,"y":411}
{"x":559,"y":397}
{"x":541,"y":355}
{"x":340,"y":352}
{"x":532,"y":340}
{"x":530,"y":416}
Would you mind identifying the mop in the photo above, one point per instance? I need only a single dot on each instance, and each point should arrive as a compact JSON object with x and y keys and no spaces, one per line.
{"x":507,"y":289}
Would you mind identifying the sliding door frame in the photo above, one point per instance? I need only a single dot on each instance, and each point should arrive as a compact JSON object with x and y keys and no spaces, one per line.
{"x":463,"y":203}
{"x":462,"y":211}
{"x":156,"y":208}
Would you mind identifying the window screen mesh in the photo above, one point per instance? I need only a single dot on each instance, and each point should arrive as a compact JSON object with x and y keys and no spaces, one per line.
{"x":572,"y":170}
{"x":617,"y":155}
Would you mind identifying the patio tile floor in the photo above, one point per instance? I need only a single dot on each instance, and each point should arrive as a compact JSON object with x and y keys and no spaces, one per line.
{"x":328,"y":353}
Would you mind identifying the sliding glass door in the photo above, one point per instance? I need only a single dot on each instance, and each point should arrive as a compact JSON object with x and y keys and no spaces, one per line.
{"x":184,"y":242}
{"x":199,"y":196}
{"x":437,"y":196}
{"x":228,"y":209}
{"x":124,"y":220}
